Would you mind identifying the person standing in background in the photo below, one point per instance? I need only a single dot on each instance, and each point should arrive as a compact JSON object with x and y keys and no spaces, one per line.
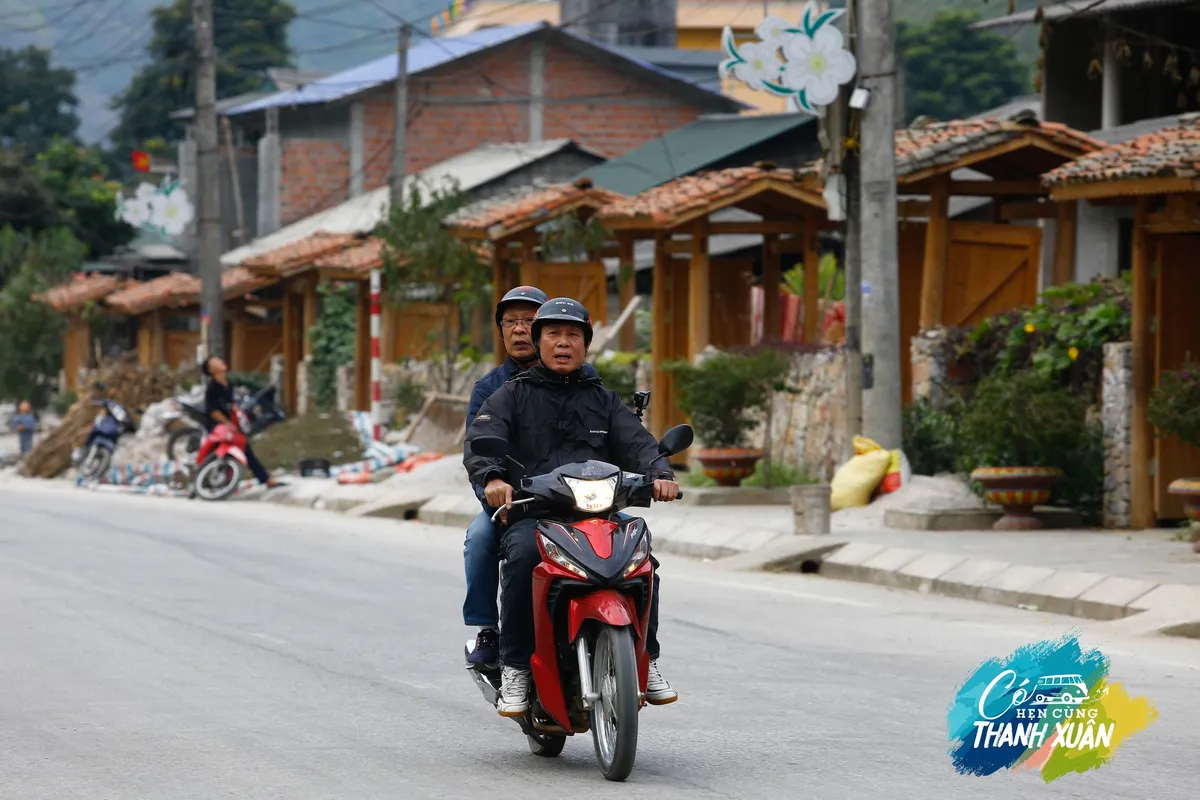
{"x":24,"y":423}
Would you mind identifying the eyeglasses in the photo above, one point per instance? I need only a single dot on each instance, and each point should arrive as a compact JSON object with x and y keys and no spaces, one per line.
{"x":512,"y":323}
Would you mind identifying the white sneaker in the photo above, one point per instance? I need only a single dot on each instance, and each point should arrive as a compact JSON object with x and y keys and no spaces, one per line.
{"x":514,"y":692}
{"x":658,"y":691}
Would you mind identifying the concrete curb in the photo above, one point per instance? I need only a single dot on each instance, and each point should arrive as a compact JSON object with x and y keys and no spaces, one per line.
{"x":1080,"y":594}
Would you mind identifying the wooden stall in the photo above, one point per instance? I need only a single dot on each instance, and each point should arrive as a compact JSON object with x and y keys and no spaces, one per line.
{"x":510,"y":226}
{"x":701,"y":301}
{"x":72,"y":299}
{"x":955,"y":272}
{"x":1156,"y":174}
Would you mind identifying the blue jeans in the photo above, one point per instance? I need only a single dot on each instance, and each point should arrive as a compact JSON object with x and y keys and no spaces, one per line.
{"x":481,"y":559}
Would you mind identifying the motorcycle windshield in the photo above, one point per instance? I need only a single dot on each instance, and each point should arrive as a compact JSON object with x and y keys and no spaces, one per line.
{"x":108,"y":427}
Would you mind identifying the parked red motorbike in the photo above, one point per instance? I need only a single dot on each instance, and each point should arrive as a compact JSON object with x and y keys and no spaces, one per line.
{"x":221,"y":459}
{"x":592,"y":596}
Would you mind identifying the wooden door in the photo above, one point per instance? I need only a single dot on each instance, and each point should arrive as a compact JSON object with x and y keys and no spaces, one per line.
{"x":585,"y":281}
{"x":989,"y":269}
{"x":1176,"y":340}
{"x":911,"y":244}
{"x":670,"y":339}
{"x":424,"y":330}
{"x":730,"y":284}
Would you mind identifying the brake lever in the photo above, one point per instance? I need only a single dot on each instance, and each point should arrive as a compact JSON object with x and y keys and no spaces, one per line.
{"x":516,"y":503}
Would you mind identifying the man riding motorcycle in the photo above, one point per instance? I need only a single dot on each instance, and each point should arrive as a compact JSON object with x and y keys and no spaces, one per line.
{"x":555,"y":414}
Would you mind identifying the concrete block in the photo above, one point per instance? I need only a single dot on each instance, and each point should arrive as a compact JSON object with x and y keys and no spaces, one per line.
{"x":963,"y":581}
{"x":1057,"y":593}
{"x":923,"y":571}
{"x":1170,"y":598}
{"x":749,"y":540}
{"x":884,"y":568}
{"x":736,"y":496}
{"x":1110,"y":598}
{"x":393,"y":505}
{"x":693,"y":549}
{"x":1008,"y":586}
{"x":783,"y":554}
{"x":449,"y":509}
{"x":846,"y":563}
{"x":973,"y":519}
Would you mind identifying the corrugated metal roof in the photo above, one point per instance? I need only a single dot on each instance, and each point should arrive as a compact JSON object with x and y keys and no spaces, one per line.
{"x":690,"y":148}
{"x":361,"y":214}
{"x":1057,"y":10}
{"x":432,"y":53}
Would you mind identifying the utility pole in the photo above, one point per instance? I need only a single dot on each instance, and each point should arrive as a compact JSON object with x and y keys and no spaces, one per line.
{"x":400,"y":125}
{"x":876,"y":216}
{"x":208,"y":157}
{"x":852,"y":250}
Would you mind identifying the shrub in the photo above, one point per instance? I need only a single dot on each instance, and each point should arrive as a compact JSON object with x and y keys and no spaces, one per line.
{"x":619,"y":373}
{"x":1174,"y":406}
{"x":724,"y":393}
{"x":930,"y":437}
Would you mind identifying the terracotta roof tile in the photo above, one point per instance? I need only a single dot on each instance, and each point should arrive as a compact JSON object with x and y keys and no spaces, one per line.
{"x":298,"y":255}
{"x":671,"y":200}
{"x":142,"y":297}
{"x":1168,"y":153}
{"x":355,"y":260}
{"x":944,"y":143}
{"x":80,"y":290}
{"x":532,"y":207}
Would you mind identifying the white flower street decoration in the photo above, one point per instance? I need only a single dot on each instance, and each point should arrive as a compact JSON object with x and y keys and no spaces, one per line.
{"x":813,"y":65}
{"x":164,"y":210}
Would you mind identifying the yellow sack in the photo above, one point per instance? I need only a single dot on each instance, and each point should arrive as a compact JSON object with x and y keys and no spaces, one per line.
{"x":856,"y":480}
{"x":863,"y":445}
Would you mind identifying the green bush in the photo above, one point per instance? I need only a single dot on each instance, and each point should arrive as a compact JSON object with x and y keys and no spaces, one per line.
{"x":332,"y":337}
{"x":930,"y":438}
{"x":782,"y":474}
{"x":619,"y":373}
{"x":1174,"y":406}
{"x":62,"y":402}
{"x":723,"y":393}
{"x":254,"y":381}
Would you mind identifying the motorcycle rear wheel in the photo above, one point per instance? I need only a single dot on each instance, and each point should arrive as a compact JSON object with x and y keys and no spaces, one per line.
{"x":227,"y":468}
{"x":184,"y":443}
{"x":547,"y":745}
{"x":95,"y":462}
{"x":615,"y":716}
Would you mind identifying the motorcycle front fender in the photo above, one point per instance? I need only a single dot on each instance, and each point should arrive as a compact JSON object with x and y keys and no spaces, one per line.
{"x":233,"y":451}
{"x":103,"y":441}
{"x":605,"y":605}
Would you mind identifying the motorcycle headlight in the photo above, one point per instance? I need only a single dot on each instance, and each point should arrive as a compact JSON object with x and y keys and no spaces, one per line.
{"x":638,"y":558}
{"x":559,"y":557}
{"x":592,"y":495}
{"x":119,"y":414}
{"x":98,"y":417}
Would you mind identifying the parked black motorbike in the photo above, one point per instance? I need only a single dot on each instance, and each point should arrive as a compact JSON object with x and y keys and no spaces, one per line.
{"x":184,"y":442}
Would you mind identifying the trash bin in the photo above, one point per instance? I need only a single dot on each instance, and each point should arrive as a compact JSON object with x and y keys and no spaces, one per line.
{"x":810,"y":509}
{"x":315,"y":468}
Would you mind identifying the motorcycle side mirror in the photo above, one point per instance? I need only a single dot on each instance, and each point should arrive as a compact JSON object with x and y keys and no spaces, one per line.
{"x":490,"y":446}
{"x":676,"y":440}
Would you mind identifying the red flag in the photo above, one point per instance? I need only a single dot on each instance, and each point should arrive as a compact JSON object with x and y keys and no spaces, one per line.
{"x":141,"y":161}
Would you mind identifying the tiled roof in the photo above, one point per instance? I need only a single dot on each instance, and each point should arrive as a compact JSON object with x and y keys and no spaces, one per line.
{"x":944,"y":143}
{"x":702,"y":190}
{"x":81,"y":289}
{"x":532,"y":207}
{"x":180,"y":289}
{"x":1168,"y":153}
{"x":299,"y":254}
{"x":355,"y":260}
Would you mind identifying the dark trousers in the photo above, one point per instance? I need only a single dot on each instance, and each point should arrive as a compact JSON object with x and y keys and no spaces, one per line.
{"x":521,"y":555}
{"x":260,"y":472}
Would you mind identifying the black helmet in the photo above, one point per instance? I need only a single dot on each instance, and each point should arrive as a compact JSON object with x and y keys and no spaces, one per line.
{"x":520,"y":294}
{"x":563,"y":309}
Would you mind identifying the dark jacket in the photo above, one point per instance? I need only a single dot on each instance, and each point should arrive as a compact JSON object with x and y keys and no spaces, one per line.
{"x":550,"y":420}
{"x":487,"y":386}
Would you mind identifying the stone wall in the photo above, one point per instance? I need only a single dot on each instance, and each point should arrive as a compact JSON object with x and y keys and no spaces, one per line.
{"x":1117,"y":417}
{"x":809,"y":423}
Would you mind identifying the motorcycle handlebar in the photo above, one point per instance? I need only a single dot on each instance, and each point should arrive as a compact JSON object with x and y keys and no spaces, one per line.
{"x":529,"y":500}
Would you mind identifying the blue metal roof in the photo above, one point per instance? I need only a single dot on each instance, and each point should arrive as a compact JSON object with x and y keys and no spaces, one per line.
{"x":435,"y":52}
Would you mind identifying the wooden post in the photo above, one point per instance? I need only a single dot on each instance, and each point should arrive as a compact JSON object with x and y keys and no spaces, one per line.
{"x":499,"y":287}
{"x":291,"y":354}
{"x":1064,"y":242}
{"x":312,"y":309}
{"x":699,"y":288}
{"x":1141,"y":503}
{"x":362,"y":349}
{"x":771,"y":280}
{"x":812,"y":281}
{"x":660,"y":410}
{"x":158,"y":348}
{"x":239,"y":360}
{"x":626,"y":286}
{"x":933,"y":280}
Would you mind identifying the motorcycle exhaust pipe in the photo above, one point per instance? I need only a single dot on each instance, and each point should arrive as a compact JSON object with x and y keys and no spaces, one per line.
{"x":589,"y":696}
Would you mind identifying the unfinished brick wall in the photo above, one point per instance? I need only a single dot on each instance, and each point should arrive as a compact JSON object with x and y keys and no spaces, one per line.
{"x":613,"y":113}
{"x":315,"y":176}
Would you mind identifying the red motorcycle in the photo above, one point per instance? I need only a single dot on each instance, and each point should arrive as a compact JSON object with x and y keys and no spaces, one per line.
{"x":592,"y":596}
{"x":221,"y":459}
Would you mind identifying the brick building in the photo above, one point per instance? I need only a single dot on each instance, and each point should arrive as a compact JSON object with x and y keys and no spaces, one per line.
{"x":331,"y":140}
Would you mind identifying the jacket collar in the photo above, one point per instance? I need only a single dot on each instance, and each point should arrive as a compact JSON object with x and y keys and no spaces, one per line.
{"x":542,"y":374}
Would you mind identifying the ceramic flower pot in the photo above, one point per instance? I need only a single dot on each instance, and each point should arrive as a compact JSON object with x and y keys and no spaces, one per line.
{"x":1188,"y":489}
{"x":728,"y":465}
{"x":1017,"y":490}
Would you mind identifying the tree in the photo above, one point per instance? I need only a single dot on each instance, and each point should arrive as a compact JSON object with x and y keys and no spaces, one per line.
{"x":953,"y":72}
{"x":63,"y":186}
{"x":32,"y":332}
{"x":250,"y":36}
{"x":37,"y":101}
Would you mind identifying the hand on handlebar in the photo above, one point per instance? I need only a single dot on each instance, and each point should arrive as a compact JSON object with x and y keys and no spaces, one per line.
{"x":499,"y":493}
{"x":666,"y":491}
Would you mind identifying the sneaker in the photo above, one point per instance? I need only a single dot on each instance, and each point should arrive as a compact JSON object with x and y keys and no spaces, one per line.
{"x":658,"y":691}
{"x":514,"y":692}
{"x":487,"y":648}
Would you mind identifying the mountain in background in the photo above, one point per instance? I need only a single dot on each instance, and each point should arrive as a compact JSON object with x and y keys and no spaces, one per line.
{"x":105,"y":40}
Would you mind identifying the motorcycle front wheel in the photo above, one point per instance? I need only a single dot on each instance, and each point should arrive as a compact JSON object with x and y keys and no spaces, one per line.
{"x":615,"y":716}
{"x":96,"y":459}
{"x":218,"y":478}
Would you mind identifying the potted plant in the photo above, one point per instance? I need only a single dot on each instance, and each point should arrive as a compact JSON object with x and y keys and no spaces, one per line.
{"x":1016,"y":434}
{"x":724,"y":395}
{"x":1174,"y":409}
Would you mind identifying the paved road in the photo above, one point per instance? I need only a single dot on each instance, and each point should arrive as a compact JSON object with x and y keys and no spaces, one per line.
{"x":160,"y":649}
